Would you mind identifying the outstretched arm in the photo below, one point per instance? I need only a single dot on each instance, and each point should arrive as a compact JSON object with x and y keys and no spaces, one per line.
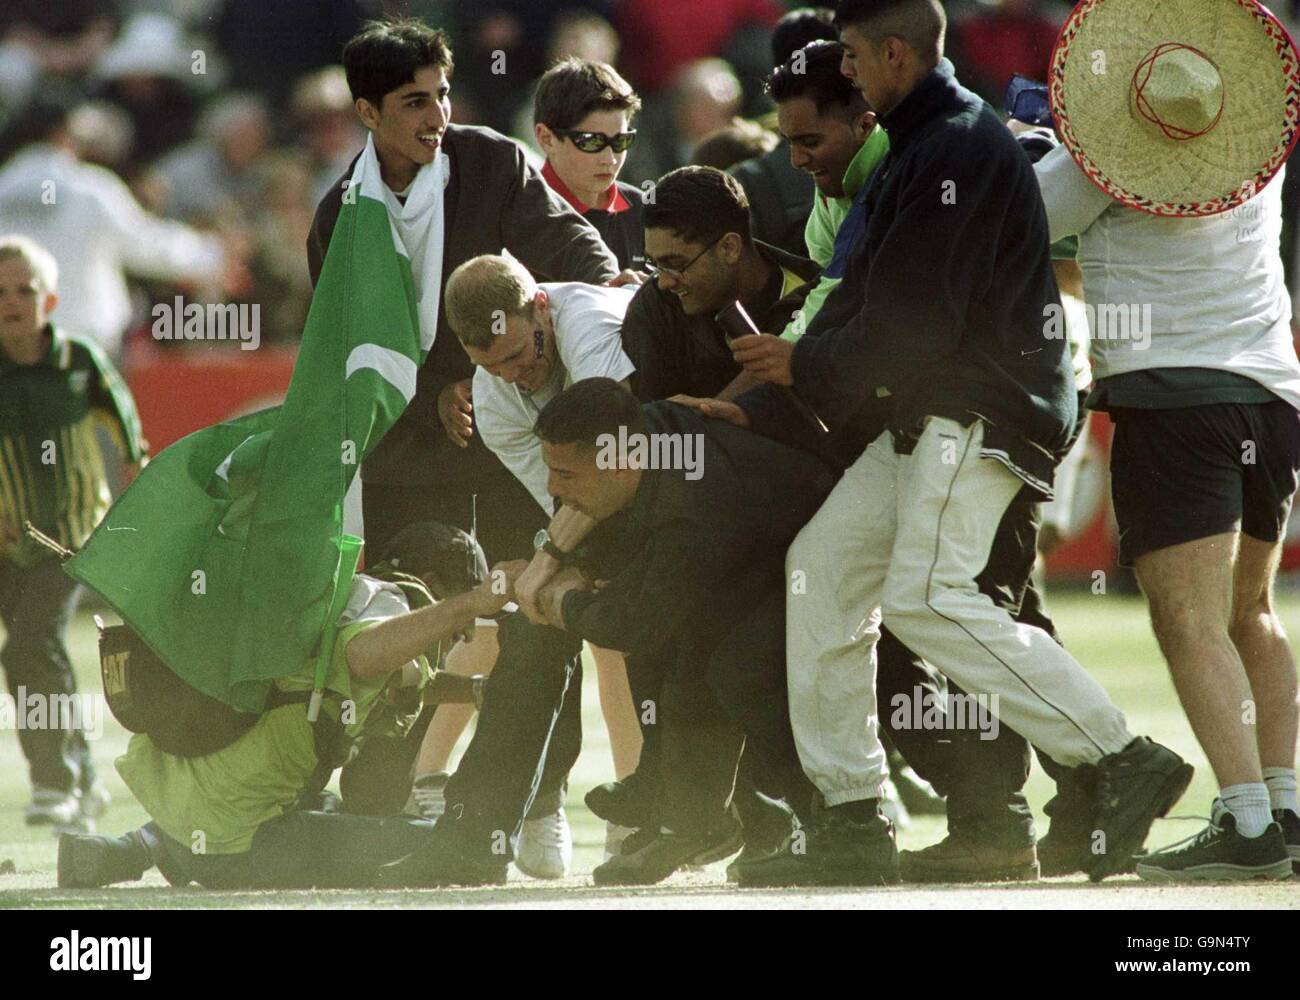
{"x":385,"y":647}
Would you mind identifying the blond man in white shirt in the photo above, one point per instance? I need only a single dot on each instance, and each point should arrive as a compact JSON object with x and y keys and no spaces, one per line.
{"x":530,"y":342}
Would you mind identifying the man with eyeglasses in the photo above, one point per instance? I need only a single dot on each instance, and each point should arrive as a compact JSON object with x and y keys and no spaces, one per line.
{"x":582,"y":113}
{"x":699,"y":246}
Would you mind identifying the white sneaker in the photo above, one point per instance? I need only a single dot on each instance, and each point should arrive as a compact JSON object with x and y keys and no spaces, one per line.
{"x":891,"y":805}
{"x":614,"y":837}
{"x":95,"y":800}
{"x":51,"y":807}
{"x":545,"y":847}
{"x":428,"y":796}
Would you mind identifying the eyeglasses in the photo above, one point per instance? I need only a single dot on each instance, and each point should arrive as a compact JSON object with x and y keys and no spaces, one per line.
{"x":680,"y":272}
{"x":594,"y":142}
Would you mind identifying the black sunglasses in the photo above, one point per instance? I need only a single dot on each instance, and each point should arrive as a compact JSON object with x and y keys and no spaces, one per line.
{"x":594,"y":142}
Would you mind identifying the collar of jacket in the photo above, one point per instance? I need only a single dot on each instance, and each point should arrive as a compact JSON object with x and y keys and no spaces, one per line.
{"x":58,"y":355}
{"x":614,"y":200}
{"x":864,"y":163}
{"x":801,"y":266}
{"x":936,"y":95}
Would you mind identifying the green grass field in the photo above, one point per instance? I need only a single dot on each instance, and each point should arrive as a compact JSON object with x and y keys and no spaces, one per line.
{"x":1109,"y":634}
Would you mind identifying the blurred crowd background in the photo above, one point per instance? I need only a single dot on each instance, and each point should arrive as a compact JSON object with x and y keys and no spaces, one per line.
{"x":221,"y":122}
{"x":163,"y":148}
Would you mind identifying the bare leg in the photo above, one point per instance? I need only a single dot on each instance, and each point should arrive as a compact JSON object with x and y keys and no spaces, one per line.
{"x":477,"y":657}
{"x":1265,"y":651}
{"x":620,"y":714}
{"x":1189,"y":589}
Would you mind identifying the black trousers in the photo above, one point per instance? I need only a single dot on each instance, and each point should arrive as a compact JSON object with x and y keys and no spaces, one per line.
{"x":36,"y":604}
{"x":528,"y":737}
{"x":299,"y":850}
{"x":522,"y":695}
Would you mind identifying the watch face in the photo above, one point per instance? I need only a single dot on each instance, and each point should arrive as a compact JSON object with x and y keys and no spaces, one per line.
{"x":540,"y":539}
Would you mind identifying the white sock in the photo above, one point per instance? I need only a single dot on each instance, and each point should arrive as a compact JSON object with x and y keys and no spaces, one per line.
{"x":1281,"y":788}
{"x":1249,"y":805}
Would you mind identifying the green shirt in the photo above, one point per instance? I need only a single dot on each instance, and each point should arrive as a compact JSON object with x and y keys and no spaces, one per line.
{"x":51,"y":469}
{"x":824,"y":223}
{"x":227,"y":795}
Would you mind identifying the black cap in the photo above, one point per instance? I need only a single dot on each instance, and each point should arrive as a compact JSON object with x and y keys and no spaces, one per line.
{"x":449,"y":559}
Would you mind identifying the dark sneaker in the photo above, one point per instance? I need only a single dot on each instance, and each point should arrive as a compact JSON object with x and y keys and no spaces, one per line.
{"x":648,"y":858}
{"x":1290,"y":824}
{"x":761,"y":844}
{"x":1134,"y":787}
{"x":749,"y":855}
{"x":963,"y":858}
{"x":1220,"y":853}
{"x":439,"y":864}
{"x":87,"y":862}
{"x":834,"y":850}
{"x":624,"y":803}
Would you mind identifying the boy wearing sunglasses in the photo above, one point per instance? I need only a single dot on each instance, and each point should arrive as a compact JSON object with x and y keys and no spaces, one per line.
{"x":582,"y":114}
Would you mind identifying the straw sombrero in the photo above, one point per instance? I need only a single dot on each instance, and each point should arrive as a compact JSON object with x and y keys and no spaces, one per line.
{"x":1177,"y":107}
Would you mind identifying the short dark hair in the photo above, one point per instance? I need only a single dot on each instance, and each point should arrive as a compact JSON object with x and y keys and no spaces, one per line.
{"x":799,"y":27}
{"x":44,"y":115}
{"x":386,"y":55}
{"x":699,"y":204}
{"x":919,"y":23}
{"x":574,"y":88}
{"x":588,"y":409}
{"x":452,"y":560}
{"x":814,"y":72}
{"x":727,"y":146}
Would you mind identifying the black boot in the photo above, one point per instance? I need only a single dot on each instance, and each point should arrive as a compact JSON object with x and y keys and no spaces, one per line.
{"x":442,"y":863}
{"x":1134,"y":787}
{"x":850,"y":844}
{"x":88,"y":862}
{"x":628,"y":803}
{"x":649,"y":857}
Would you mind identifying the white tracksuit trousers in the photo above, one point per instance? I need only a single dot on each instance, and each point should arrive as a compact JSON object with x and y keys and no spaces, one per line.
{"x":903,"y":537}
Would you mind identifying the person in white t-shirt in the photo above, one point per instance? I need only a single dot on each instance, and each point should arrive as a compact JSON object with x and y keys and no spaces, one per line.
{"x":1175,"y":193}
{"x":530,"y":342}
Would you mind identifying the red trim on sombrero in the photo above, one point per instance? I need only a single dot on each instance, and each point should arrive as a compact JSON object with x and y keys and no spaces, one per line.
{"x":1285,"y":47}
{"x":1142,"y":76}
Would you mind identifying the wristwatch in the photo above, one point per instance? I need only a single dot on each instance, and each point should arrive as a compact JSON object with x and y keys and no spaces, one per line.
{"x":542,"y":542}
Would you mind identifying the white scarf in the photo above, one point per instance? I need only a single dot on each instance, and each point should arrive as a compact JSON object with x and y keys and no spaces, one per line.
{"x":419,"y":226}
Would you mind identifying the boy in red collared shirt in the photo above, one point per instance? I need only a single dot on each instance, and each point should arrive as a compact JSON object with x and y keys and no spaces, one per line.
{"x":581,"y":113}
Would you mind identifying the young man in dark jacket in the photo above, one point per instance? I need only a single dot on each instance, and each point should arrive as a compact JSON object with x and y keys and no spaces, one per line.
{"x":399,"y":76}
{"x":690,"y":521}
{"x":482,"y":196}
{"x":956,"y":280}
{"x":699,"y":243}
